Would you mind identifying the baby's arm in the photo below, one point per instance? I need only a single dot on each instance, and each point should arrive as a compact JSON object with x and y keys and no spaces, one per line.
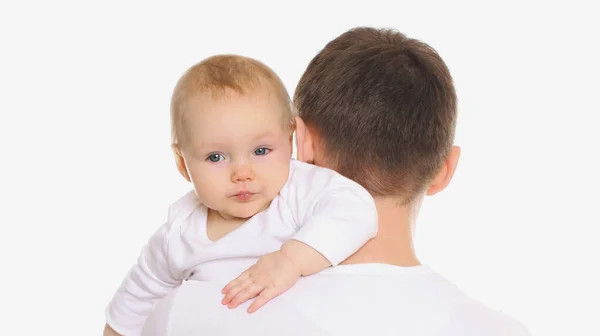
{"x":305,"y":258}
{"x":339,"y":223}
{"x":148,"y":280}
{"x":108,"y":331}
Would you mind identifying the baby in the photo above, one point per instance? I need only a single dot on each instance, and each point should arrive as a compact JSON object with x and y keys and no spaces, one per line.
{"x":232,"y":127}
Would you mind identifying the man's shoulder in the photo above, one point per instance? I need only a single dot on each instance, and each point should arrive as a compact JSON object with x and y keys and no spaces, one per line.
{"x":346,"y":300}
{"x":467,"y":316}
{"x":475,"y":318}
{"x":409,"y":300}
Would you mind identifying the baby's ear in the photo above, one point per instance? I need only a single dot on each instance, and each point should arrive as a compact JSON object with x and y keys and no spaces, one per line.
{"x":292,"y":129}
{"x":180,"y":162}
{"x":304,"y":142}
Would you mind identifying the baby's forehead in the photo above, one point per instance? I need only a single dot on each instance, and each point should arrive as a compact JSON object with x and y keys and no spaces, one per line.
{"x":251,"y":134}
{"x":265,"y":102}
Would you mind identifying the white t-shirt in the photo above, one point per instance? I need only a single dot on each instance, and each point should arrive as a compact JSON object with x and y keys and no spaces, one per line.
{"x":364,"y":299}
{"x":317,"y":206}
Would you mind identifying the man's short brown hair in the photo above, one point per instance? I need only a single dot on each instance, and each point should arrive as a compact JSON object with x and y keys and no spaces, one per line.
{"x":219,"y":75}
{"x":383,"y":106}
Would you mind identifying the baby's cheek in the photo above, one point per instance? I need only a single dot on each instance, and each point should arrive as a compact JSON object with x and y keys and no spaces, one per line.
{"x":209,"y":186}
{"x":280,"y":169}
{"x":204,"y":191}
{"x":278,"y":162}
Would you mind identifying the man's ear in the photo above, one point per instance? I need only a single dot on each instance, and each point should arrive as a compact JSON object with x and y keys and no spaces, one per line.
{"x":304,"y":142}
{"x":180,"y":162}
{"x":443,"y":177}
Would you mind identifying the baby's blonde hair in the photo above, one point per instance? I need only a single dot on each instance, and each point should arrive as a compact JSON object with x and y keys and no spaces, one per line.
{"x":222,"y":73}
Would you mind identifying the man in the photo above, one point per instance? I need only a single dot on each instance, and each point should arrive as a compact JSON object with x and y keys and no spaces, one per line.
{"x":380,"y":108}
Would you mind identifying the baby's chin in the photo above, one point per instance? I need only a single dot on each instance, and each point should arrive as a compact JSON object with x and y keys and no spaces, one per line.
{"x":245,"y":212}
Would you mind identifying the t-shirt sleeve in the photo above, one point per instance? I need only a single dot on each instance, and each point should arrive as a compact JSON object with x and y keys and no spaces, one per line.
{"x":336,"y":216}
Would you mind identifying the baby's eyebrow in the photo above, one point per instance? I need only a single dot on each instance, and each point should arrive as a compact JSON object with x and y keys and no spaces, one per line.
{"x":213,"y":144}
{"x":263,"y":135}
{"x":204,"y":148}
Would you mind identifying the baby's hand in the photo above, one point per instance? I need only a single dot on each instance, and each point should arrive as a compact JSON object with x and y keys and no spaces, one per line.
{"x":273,"y":274}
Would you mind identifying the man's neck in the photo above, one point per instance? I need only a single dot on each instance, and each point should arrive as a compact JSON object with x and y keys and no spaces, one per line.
{"x":394,"y":242}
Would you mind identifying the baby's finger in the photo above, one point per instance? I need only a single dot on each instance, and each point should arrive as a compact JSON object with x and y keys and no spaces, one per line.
{"x":235,"y":281}
{"x":265,"y":296}
{"x":235,"y":290}
{"x":249,"y":292}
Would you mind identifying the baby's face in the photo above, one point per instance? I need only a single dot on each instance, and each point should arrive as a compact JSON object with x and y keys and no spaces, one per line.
{"x":237,"y":151}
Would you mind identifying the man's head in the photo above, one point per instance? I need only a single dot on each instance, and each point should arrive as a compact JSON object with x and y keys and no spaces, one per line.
{"x":231,"y":132}
{"x":381,"y":107}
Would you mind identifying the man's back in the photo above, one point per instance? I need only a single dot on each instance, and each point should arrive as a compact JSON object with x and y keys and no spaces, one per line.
{"x":375,"y":299}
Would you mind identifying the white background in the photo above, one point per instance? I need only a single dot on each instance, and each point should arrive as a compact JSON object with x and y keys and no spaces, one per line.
{"x":86,"y":172}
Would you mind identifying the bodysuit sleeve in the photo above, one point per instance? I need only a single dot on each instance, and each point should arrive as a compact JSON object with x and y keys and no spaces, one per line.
{"x":335,"y":215}
{"x":150,"y":279}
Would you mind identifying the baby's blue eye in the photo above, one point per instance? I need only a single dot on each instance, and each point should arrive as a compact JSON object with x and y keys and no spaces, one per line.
{"x":215,"y":157}
{"x":261,"y":151}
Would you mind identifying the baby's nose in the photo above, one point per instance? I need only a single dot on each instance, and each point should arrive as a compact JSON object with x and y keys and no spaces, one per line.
{"x":242,"y":173}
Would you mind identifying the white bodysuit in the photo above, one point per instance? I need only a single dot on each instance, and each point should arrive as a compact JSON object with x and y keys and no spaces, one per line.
{"x":317,"y":206}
